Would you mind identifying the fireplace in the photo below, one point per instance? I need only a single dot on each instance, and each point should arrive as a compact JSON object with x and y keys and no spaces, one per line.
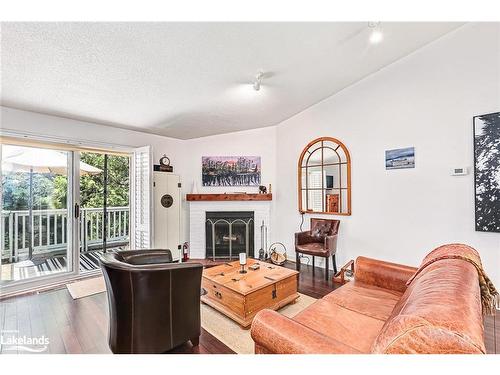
{"x":228,"y":233}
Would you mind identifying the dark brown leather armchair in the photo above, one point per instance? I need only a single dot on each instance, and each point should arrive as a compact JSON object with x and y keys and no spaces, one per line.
{"x":154,"y":305}
{"x":320,"y":241}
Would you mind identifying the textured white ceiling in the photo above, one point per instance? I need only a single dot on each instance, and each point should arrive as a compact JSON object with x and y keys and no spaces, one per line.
{"x":187,"y":80}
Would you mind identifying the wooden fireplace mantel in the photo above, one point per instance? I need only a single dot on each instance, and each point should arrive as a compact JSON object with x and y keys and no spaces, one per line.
{"x":228,"y":197}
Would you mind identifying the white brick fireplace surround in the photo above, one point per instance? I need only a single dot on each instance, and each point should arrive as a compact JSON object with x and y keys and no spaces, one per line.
{"x":197,"y":215}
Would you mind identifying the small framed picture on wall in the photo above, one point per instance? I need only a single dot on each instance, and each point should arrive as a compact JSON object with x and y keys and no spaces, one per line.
{"x":400,"y":158}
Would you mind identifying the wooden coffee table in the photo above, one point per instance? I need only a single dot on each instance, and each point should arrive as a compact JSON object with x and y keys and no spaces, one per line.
{"x":241,"y":296}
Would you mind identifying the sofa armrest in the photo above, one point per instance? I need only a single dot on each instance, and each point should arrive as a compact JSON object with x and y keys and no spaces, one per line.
{"x":382,"y":274}
{"x":275,"y":333}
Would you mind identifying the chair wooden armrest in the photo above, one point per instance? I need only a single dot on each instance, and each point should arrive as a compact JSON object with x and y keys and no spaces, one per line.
{"x":340,"y":277}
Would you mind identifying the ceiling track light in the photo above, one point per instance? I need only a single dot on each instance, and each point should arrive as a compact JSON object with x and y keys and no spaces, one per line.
{"x":258,"y":80}
{"x":376,"y":36}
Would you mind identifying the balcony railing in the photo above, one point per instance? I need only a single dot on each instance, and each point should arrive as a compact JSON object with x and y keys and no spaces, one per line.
{"x":49,"y":231}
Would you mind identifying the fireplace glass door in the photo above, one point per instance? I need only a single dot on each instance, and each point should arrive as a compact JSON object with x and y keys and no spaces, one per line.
{"x":228,"y":234}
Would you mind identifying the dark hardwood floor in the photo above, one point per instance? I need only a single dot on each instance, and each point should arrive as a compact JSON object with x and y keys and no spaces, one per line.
{"x":80,"y":326}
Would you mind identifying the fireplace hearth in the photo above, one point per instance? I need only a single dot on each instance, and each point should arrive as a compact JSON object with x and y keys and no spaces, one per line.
{"x":229,"y":233}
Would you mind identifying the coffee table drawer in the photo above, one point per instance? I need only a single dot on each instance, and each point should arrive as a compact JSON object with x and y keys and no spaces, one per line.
{"x":224,"y":296}
{"x":270,"y":296}
{"x":286,"y":287}
{"x":260,"y":299}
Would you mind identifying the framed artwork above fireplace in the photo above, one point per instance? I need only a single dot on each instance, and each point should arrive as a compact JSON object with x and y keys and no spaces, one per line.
{"x":230,"y":170}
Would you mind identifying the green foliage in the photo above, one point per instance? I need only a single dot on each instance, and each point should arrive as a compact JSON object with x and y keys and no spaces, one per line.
{"x":51,"y":191}
{"x":59,"y":197}
{"x":15,"y":191}
{"x":92,"y":186}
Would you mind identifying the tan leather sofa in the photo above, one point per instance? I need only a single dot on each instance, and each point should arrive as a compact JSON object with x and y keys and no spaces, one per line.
{"x":439,"y":312}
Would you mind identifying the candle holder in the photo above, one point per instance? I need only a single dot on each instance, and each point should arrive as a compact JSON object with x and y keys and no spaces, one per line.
{"x":243,"y":262}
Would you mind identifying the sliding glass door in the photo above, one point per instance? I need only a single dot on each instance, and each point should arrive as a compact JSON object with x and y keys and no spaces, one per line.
{"x":105,"y":210}
{"x":61,"y":208}
{"x":36,"y":216}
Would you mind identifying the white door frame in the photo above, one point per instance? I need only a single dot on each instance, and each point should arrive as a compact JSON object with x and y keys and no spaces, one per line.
{"x":37,"y":282}
{"x":141,"y":223}
{"x":73,"y":232}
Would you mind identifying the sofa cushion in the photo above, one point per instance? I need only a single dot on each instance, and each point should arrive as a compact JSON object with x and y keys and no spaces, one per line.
{"x":365,"y":299}
{"x":440,"y":312}
{"x":349,"y":327}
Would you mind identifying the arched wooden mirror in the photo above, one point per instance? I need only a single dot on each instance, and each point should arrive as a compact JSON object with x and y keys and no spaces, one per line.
{"x":324,"y":182}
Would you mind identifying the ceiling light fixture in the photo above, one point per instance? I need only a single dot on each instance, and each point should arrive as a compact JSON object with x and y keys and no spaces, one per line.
{"x":258,"y":80}
{"x":376,"y":35}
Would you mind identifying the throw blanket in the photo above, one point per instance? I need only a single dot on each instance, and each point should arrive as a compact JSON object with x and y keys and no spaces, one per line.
{"x":489,"y":295}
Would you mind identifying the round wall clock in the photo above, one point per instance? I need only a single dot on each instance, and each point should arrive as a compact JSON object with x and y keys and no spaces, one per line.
{"x":167,"y":201}
{"x":165,"y":160}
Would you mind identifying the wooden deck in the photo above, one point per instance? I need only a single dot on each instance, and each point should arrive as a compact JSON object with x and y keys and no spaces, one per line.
{"x":49,"y":266}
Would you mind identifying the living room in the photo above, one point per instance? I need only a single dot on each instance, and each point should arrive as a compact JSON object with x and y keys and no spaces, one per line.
{"x":250,"y":187}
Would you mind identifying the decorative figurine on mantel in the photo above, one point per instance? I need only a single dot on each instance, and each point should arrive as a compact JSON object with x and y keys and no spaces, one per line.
{"x":262,"y":189}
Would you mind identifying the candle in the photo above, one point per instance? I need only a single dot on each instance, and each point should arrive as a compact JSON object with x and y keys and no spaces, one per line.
{"x":243,"y":259}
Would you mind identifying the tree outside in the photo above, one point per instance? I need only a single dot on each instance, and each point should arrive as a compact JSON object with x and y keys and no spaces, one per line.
{"x":92,"y":186}
{"x":50,"y":191}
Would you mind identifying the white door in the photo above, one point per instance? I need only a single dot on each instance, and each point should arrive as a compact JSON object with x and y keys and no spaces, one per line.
{"x":167,"y":209}
{"x":141,"y":221}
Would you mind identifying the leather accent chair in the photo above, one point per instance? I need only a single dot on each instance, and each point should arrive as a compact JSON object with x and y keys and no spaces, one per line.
{"x":439,"y":312}
{"x":154,"y":305}
{"x":320,"y":241}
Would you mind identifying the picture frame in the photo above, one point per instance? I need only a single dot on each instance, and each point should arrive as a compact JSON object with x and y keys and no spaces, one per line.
{"x":400,"y":158}
{"x":486,"y":136}
{"x":231,"y":171}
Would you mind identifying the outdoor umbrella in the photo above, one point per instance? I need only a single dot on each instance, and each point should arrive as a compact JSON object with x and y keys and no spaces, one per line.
{"x":38,"y":160}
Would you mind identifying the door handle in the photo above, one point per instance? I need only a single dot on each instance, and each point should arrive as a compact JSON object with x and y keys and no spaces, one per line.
{"x":77,"y":210}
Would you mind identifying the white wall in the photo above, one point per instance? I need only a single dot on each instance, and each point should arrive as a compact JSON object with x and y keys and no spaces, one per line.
{"x":185,"y":156}
{"x":426,"y":100}
{"x":257,"y":142}
{"x":59,"y":127}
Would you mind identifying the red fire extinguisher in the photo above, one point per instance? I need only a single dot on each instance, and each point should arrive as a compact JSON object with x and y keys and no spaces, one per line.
{"x":185,"y":252}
